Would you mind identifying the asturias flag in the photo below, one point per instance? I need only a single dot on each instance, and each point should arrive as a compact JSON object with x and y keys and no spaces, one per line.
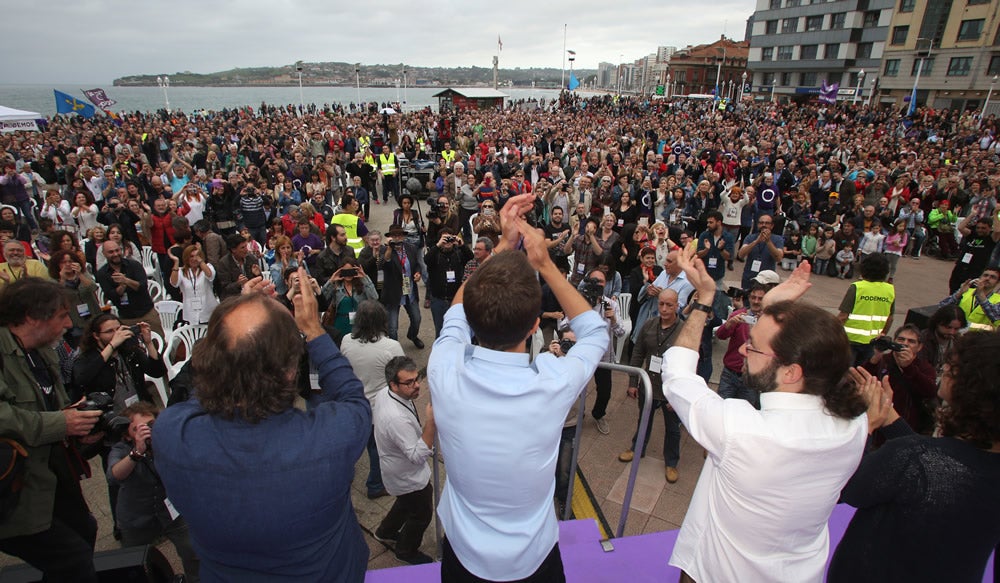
{"x":573,"y":82}
{"x":66,"y":103}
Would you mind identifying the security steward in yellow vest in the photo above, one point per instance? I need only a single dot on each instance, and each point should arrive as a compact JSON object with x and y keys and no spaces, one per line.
{"x":352,"y":223}
{"x":447,"y":154}
{"x":389,"y":171}
{"x":867,"y":307}
{"x":980,"y":301}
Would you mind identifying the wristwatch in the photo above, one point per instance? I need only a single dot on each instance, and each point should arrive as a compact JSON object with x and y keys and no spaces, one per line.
{"x":135,"y":455}
{"x":701,"y":307}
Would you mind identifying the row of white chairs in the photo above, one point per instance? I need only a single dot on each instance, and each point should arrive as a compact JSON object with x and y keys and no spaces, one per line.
{"x":182,"y":337}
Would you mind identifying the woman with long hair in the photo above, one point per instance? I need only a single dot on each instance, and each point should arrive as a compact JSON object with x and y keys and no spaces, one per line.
{"x":284,"y":259}
{"x":84,"y":211}
{"x":913,"y":491}
{"x":191,"y":203}
{"x":194,"y":276}
{"x":943,"y":327}
{"x":369,"y":348}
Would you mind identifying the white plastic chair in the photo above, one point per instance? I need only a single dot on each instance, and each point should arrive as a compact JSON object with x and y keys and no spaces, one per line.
{"x":168,"y":309}
{"x":159,"y":383}
{"x":536,"y":342}
{"x":150,"y":263}
{"x":624,"y":302}
{"x":104,"y":302}
{"x":155,"y":290}
{"x":184,"y":336}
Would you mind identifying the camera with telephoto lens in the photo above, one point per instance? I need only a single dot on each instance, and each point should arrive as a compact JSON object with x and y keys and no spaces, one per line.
{"x":104,"y":403}
{"x":565,"y":344}
{"x":592,"y":290}
{"x":883,"y":343}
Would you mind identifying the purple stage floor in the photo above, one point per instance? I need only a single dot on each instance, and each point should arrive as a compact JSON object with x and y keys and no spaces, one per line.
{"x":643,"y":558}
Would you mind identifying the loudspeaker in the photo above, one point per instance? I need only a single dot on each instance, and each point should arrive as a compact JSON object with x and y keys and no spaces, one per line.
{"x":920,"y":316}
{"x":144,"y":564}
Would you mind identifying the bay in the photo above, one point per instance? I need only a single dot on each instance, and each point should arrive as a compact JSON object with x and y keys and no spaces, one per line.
{"x":188,"y":99}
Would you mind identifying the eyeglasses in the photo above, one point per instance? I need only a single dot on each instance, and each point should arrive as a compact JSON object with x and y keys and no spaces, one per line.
{"x":750,"y":348}
{"x":412,"y":382}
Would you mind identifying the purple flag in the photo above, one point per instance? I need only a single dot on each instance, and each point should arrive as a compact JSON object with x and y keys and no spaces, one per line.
{"x":99,"y":98}
{"x":828,"y":93}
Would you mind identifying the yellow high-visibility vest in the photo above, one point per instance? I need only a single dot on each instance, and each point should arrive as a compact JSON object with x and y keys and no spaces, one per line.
{"x":872,"y":308}
{"x":388,"y":163}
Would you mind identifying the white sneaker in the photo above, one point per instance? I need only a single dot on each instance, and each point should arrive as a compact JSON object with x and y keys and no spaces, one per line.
{"x":602,"y":426}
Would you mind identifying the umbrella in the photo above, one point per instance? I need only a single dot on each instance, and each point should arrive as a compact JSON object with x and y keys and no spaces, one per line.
{"x":387,"y":110}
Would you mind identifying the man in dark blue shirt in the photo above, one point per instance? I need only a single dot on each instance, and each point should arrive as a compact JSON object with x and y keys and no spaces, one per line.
{"x":265,"y":487}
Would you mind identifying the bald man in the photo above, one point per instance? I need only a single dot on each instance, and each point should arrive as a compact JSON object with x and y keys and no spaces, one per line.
{"x":655,"y":337}
{"x":265,"y":487}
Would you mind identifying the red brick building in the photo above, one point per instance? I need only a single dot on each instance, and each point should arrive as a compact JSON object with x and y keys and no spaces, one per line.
{"x":694,"y":69}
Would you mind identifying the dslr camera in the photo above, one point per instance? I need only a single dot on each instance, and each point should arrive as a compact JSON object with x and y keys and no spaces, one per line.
{"x":111,"y":424}
{"x":592,"y":290}
{"x":884,"y":343}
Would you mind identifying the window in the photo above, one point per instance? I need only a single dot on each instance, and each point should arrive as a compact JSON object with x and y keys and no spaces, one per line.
{"x":959,"y":66}
{"x":891,"y":68}
{"x":793,"y":3}
{"x":790,"y":25}
{"x":785,"y":53}
{"x":809,"y":79}
{"x":994,"y":66}
{"x":871,"y":19}
{"x":767,"y":54}
{"x":767,"y":79}
{"x":831,"y":51}
{"x":974,"y":2}
{"x":907,"y":5}
{"x":837,"y":20}
{"x":927,"y":68}
{"x":775,"y":4}
{"x":786,"y":80}
{"x":971,"y":29}
{"x":682,"y":76}
{"x":864,"y":51}
{"x":814,"y":22}
{"x":771,"y":27}
{"x":808,"y":52}
{"x":899,"y":35}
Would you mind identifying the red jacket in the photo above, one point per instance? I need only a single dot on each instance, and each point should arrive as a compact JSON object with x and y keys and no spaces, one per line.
{"x":161,"y":231}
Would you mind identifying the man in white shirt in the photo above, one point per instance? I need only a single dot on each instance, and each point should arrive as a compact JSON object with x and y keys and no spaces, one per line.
{"x":773,"y":476}
{"x":403,"y":449}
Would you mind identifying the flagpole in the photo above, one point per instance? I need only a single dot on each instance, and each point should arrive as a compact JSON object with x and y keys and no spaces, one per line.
{"x":562,"y":79}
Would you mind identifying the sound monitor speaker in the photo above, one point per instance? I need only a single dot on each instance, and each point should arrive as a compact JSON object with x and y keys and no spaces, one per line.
{"x":145,"y":564}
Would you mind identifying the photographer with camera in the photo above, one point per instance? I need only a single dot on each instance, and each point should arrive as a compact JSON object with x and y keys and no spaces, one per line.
{"x":344,"y":292}
{"x":592,"y":289}
{"x":736,"y":329}
{"x":55,"y":538}
{"x":445,"y":265}
{"x":143,"y":510}
{"x":114,"y":359}
{"x":913,"y":378}
{"x":979,"y":300}
{"x":440,"y":216}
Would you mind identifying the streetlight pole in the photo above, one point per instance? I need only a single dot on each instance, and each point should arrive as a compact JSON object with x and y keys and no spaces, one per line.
{"x":572,"y":57}
{"x":993,"y":82}
{"x":871,"y":92}
{"x":621,"y":73}
{"x":404,"y":85}
{"x":857,"y":89}
{"x":743,"y":85}
{"x":920,"y":68}
{"x":357,"y":80}
{"x":302,"y":101}
{"x":164,"y":83}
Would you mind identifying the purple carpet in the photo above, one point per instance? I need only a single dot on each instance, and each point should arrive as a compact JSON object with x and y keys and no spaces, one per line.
{"x":643,"y":558}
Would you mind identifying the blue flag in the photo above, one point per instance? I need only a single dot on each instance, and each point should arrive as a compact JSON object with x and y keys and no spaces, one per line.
{"x":66,"y":103}
{"x":573,"y":82}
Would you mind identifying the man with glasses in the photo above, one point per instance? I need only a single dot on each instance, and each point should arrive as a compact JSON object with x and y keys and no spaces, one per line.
{"x":404,"y":448}
{"x":771,"y":472}
{"x":761,"y":250}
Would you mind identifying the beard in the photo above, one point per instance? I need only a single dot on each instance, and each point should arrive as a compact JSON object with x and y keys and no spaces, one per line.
{"x":764,"y":381}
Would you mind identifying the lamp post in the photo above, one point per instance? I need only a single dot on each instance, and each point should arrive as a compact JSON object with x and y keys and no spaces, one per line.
{"x":921,"y":55}
{"x":164,"y":83}
{"x":743,"y":84}
{"x":857,"y":89}
{"x":621,"y":72}
{"x":302,"y":101}
{"x":993,"y":82}
{"x":871,"y":92}
{"x":572,"y":57}
{"x":404,"y":85}
{"x":357,"y":80}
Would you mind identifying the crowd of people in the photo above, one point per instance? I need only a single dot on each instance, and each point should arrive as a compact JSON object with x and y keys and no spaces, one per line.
{"x":542,"y":217}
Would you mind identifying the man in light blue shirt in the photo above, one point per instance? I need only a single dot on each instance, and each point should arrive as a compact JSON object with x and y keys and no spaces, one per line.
{"x":499,"y":416}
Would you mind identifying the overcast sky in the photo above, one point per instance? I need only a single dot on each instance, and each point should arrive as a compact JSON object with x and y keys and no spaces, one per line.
{"x":91,"y":41}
